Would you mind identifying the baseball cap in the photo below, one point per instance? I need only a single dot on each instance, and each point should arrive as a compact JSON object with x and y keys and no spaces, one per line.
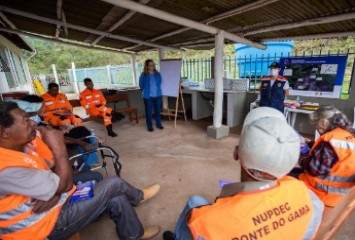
{"x":275,"y":65}
{"x":29,"y":107}
{"x":262,"y":112}
{"x":269,"y":145}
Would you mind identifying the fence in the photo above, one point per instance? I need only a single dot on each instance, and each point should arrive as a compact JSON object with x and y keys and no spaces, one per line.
{"x":252,"y":67}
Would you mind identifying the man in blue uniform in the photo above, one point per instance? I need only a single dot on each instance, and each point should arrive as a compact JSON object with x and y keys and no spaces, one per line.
{"x":274,"y":89}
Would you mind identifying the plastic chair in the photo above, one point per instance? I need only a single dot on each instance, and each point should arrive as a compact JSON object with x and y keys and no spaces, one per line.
{"x":105,"y":152}
{"x":334,"y":218}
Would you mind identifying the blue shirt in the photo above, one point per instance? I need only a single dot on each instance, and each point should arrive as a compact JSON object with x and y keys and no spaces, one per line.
{"x":145,"y":84}
{"x":153,"y":90}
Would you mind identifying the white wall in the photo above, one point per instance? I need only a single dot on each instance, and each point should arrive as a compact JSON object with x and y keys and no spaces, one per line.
{"x":4,"y":87}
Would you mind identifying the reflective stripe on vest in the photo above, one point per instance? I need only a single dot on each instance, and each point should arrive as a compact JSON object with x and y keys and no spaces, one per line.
{"x":342,"y":144}
{"x":32,"y":219}
{"x":331,"y":189}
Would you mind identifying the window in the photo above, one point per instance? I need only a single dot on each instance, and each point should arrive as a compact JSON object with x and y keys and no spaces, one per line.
{"x":6,"y":67}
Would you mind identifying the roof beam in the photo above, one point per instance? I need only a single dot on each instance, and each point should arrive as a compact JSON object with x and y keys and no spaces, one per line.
{"x":230,"y":13}
{"x":84,"y":29}
{"x":7,"y":21}
{"x":312,"y":36}
{"x":56,"y":40}
{"x":304,"y":23}
{"x":180,"y":20}
{"x":124,"y":19}
{"x":59,"y":17}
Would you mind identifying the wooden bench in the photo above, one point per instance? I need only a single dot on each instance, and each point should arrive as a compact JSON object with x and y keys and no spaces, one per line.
{"x":115,"y":98}
{"x":334,"y":218}
{"x":132,"y":111}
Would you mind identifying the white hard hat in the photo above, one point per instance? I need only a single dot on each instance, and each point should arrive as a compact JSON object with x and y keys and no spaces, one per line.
{"x":269,"y":145}
{"x":262,"y":112}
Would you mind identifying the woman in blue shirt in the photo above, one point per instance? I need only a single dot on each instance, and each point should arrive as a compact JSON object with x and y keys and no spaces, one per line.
{"x":150,"y":83}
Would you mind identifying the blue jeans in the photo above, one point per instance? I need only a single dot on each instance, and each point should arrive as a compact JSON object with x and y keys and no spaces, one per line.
{"x":89,"y":159}
{"x":182,"y":231}
{"x":153,"y":103}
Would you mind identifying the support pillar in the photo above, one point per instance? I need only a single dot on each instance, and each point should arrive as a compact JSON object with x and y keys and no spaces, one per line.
{"x":54,"y":69}
{"x":75,"y":83}
{"x":218,"y":130}
{"x":134,"y":69}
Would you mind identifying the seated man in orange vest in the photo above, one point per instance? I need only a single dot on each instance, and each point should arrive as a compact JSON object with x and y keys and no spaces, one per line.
{"x":57,"y":110}
{"x":95,"y":104}
{"x":34,"y":199}
{"x":270,"y":205}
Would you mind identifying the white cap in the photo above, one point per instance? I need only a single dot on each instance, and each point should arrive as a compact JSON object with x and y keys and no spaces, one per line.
{"x":262,"y":112}
{"x":269,"y":145}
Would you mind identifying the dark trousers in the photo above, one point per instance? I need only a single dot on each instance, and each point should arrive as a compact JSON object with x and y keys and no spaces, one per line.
{"x":111,"y":195}
{"x":153,"y":103}
{"x":86,"y":175}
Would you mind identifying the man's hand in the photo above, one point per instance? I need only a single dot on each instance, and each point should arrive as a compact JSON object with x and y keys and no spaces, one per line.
{"x":39,"y":206}
{"x":55,"y":141}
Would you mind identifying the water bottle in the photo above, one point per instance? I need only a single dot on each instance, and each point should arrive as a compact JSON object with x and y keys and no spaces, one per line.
{"x":298,"y":100}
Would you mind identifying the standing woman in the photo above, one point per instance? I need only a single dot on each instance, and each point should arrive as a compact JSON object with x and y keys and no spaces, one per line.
{"x":150,"y":83}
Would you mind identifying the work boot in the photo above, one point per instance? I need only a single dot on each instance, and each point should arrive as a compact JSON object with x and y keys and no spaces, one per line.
{"x":110,"y":132}
{"x":150,"y":192}
{"x":150,"y":232}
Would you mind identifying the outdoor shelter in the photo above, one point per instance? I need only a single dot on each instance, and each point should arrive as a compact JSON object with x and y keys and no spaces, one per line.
{"x":128,"y":27}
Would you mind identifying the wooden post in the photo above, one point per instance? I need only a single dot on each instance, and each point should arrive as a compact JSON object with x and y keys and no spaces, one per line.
{"x":218,"y":77}
{"x":75,"y":83}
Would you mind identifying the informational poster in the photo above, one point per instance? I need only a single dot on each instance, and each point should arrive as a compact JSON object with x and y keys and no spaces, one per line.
{"x":315,"y":76}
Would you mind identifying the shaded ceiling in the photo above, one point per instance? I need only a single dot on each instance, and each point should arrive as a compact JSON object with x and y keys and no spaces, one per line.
{"x":252,"y":23}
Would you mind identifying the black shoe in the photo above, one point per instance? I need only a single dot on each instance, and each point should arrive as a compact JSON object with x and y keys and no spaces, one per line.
{"x":110,"y":132}
{"x":168,"y":235}
{"x":161,"y":127}
{"x":150,"y":129}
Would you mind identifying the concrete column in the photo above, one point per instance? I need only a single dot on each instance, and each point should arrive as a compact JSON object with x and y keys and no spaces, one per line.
{"x":54,"y":69}
{"x":75,"y":83}
{"x":134,"y":69}
{"x":217,"y":130}
{"x":218,"y":78}
{"x":165,"y":98}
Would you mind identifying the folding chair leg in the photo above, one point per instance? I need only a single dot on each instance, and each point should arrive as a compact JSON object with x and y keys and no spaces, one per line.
{"x":137,"y":117}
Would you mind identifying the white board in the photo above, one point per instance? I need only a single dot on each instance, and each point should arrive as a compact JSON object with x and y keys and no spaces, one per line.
{"x":170,"y":71}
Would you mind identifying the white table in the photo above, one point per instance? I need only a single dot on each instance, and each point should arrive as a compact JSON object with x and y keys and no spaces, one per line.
{"x":201,"y":108}
{"x":291,"y":114}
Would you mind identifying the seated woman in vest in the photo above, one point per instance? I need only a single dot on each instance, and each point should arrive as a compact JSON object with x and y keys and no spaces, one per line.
{"x":329,"y":168}
{"x":265,"y":205}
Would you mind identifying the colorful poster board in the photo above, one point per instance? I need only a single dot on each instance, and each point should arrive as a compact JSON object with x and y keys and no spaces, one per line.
{"x":314,"y":76}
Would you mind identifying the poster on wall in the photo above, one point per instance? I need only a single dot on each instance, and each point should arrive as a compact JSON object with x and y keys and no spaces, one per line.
{"x":315,"y":76}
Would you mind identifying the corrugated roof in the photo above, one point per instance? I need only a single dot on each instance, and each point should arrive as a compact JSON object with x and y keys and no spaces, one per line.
{"x":100,"y":15}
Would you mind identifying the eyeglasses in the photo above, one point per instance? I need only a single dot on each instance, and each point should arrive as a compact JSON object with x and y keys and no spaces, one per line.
{"x":151,"y":65}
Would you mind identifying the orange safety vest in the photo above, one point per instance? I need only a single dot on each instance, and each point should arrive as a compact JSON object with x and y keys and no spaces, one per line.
{"x":58,"y":104}
{"x":38,"y":146}
{"x":341,"y":178}
{"x":89,"y":99}
{"x":16,"y":218}
{"x":275,"y":213}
